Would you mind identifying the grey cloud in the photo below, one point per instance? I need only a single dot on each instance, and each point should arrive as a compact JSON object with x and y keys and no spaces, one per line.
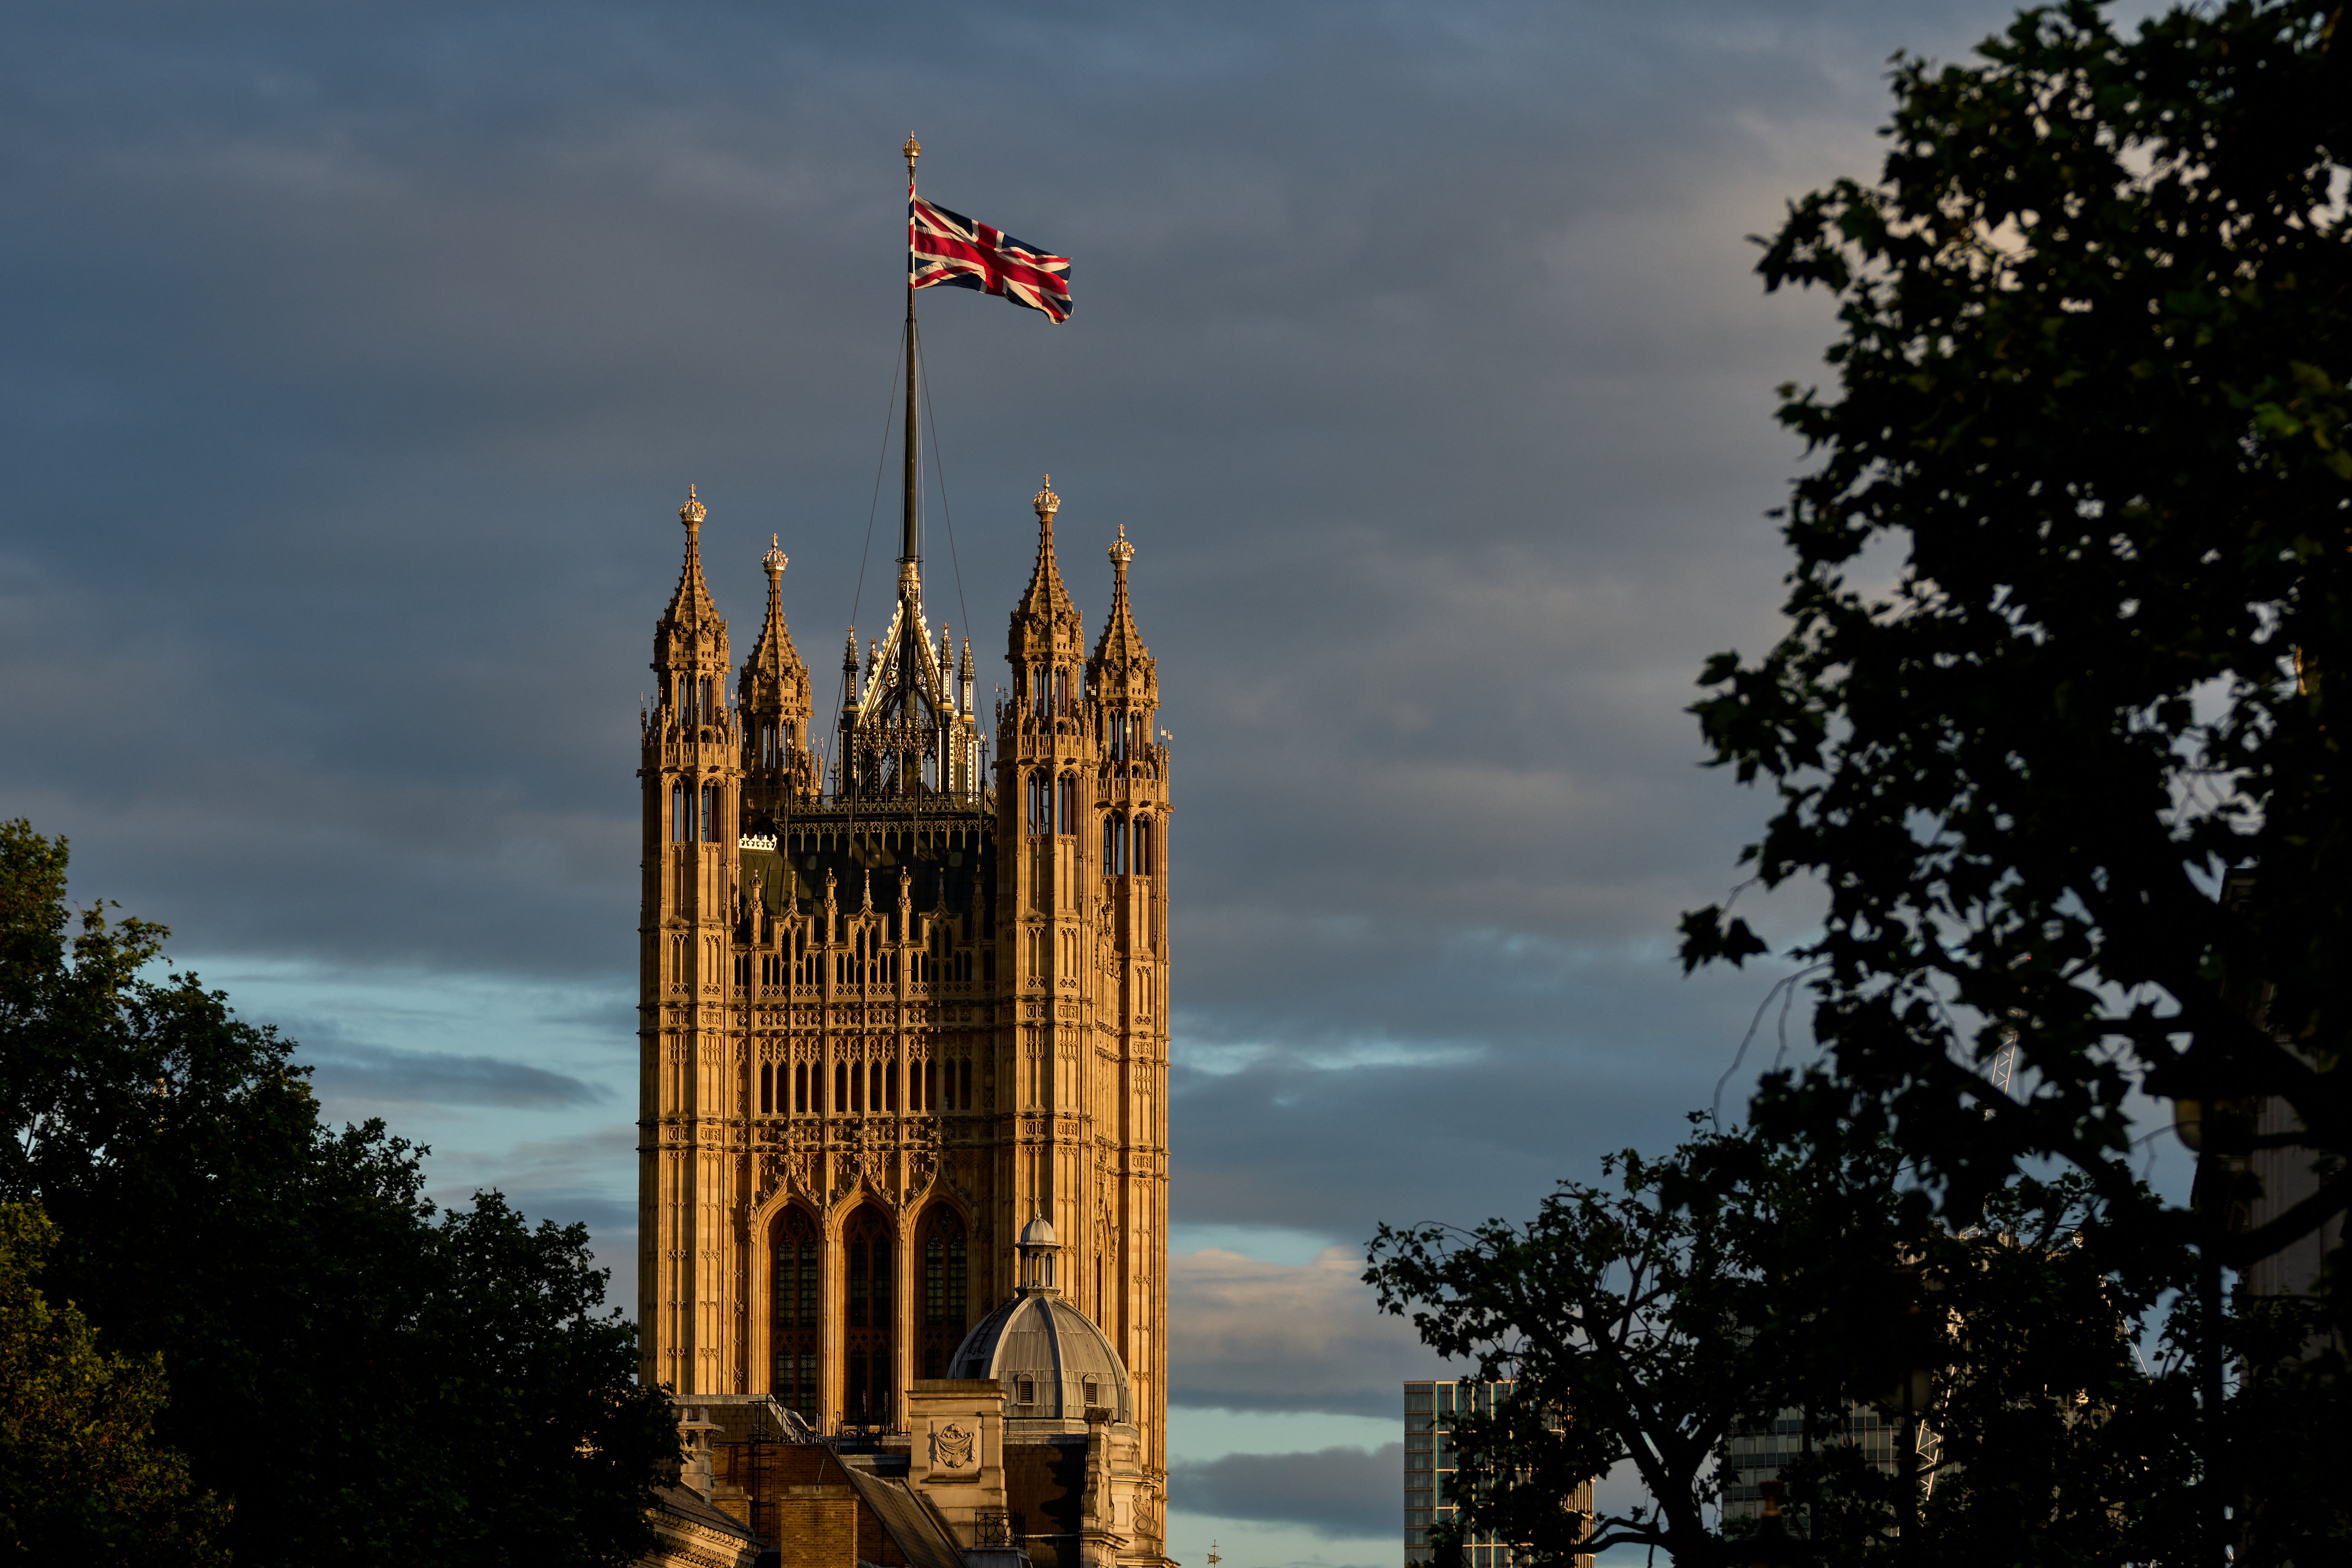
{"x":1338,"y":1493}
{"x":584,"y":1177}
{"x":346,"y":1072}
{"x":359,"y":360}
{"x":1247,"y":1335}
{"x":1336,"y":1134}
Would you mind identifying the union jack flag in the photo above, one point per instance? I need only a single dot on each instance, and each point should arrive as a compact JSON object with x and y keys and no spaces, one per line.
{"x":948,"y":248}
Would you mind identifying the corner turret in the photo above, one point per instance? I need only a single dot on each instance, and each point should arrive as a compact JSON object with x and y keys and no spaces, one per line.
{"x":1046,"y":632}
{"x":691,"y":639}
{"x":1121,"y":675}
{"x":774,"y":694}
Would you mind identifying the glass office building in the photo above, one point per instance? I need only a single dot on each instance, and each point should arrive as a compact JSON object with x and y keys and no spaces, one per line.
{"x":1755,"y":1455}
{"x":1429,"y":1465}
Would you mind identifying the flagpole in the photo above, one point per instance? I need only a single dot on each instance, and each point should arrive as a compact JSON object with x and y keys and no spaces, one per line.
{"x":907,"y":557}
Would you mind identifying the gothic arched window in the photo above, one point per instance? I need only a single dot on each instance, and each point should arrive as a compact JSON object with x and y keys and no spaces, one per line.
{"x":800,"y":1089}
{"x":793,"y":1300}
{"x":767,"y":1089}
{"x":866,"y":1384}
{"x":677,"y":812}
{"x":1069,"y":813}
{"x":1143,"y":858}
{"x":945,"y":1286}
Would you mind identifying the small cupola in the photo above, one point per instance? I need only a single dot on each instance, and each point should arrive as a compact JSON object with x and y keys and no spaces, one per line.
{"x":1038,"y":1247}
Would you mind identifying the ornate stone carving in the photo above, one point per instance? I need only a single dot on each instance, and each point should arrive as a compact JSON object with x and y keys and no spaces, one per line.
{"x":954,"y":1448}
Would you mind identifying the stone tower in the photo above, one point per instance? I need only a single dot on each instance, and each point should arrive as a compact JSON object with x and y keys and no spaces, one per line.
{"x":899,"y":1000}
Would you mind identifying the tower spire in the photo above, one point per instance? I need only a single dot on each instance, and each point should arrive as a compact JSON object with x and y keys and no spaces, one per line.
{"x":691,"y":605}
{"x":1045,"y":596}
{"x":1047,"y":636}
{"x":773,"y":690}
{"x":1120,"y":647}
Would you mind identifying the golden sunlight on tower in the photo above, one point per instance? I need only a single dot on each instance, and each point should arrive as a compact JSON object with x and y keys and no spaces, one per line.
{"x":902,"y":1005}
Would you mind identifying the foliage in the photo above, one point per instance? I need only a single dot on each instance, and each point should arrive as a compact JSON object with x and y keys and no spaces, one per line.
{"x":2090,"y":411}
{"x":2050,"y":1442}
{"x":1711,"y":1289}
{"x":81,"y":1479}
{"x":1739,"y":1280}
{"x":366,"y":1379}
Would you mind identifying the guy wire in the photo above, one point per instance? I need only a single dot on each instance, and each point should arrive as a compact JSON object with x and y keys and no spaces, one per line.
{"x":824,"y":753}
{"x":890,"y":399}
{"x":939,"y":464}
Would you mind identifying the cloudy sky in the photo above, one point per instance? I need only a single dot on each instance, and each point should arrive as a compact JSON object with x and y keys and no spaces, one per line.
{"x":356,"y":358}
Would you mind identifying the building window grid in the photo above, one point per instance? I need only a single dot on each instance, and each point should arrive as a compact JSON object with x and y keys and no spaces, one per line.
{"x":1428,"y":1461}
{"x":1755,"y":1455}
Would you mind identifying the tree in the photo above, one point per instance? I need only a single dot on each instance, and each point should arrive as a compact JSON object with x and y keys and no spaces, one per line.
{"x":82,"y":1477}
{"x":2090,"y":411}
{"x":1625,"y":1320}
{"x":1737,"y":1281}
{"x":365,"y":1378}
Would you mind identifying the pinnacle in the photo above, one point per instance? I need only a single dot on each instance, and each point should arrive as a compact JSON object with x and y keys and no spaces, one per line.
{"x":774,"y":655}
{"x":1120,"y":647}
{"x":691,"y":605}
{"x":1045,"y":600}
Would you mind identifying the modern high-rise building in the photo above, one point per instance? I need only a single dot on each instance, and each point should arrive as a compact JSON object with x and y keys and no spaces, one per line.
{"x":1754,"y":1455}
{"x":903,"y":992}
{"x":1429,"y":1466}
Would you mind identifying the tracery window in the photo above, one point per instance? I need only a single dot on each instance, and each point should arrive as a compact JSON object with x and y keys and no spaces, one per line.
{"x":792,"y":1316}
{"x":945,"y":1286}
{"x":866,"y":1380}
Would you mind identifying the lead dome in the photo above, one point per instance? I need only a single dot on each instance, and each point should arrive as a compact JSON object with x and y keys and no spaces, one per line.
{"x":1039,"y":1344}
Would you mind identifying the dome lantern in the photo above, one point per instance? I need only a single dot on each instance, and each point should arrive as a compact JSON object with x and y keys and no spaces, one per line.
{"x":1038,"y":1247}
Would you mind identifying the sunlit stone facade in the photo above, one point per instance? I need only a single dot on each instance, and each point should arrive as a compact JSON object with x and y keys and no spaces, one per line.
{"x":903,"y":987}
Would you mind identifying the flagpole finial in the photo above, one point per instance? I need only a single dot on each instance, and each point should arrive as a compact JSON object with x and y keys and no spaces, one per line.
{"x":1046,"y":503}
{"x":913,"y":150}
